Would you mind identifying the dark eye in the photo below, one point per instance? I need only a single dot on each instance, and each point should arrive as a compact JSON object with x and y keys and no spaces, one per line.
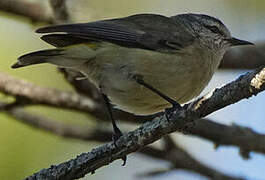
{"x":215,"y":29}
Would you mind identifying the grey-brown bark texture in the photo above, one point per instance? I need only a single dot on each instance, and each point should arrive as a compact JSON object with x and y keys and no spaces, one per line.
{"x":87,"y":100}
{"x":249,"y":84}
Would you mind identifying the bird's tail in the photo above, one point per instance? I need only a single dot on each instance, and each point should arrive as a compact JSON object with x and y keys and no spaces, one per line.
{"x":69,"y":57}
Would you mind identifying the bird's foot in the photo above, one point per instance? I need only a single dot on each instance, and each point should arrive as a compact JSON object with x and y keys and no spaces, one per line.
{"x":117,"y":134}
{"x":169,"y":111}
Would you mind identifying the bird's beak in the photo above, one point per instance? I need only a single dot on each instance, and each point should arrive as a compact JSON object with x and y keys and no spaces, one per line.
{"x":238,"y":42}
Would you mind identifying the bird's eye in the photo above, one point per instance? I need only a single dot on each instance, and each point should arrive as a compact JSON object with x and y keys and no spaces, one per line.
{"x":215,"y":29}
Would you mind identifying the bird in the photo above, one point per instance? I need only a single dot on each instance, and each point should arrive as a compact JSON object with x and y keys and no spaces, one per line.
{"x":143,"y":63}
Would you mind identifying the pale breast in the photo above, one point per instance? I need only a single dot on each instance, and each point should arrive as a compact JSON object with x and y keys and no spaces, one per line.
{"x":179,"y":76}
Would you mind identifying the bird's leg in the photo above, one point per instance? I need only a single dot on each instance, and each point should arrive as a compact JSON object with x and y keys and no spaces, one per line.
{"x":117,"y":132}
{"x":174,"y":103}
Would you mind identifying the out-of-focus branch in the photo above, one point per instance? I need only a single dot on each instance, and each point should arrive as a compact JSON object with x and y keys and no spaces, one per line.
{"x":38,"y":95}
{"x":248,"y":57}
{"x":248,"y":85}
{"x":180,"y":159}
{"x":60,"y":11}
{"x":32,"y":10}
{"x":57,"y":128}
{"x":244,"y":138}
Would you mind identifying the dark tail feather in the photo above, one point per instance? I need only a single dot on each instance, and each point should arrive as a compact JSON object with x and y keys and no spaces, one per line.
{"x":37,"y":57}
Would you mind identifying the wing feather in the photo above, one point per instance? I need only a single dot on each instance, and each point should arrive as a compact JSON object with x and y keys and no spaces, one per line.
{"x":148,"y":31}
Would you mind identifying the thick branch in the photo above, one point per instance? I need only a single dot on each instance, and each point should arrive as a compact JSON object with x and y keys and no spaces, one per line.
{"x":245,"y":86}
{"x":248,"y":85}
{"x":34,"y":11}
{"x":219,"y":134}
{"x":178,"y":157}
{"x":34,"y":94}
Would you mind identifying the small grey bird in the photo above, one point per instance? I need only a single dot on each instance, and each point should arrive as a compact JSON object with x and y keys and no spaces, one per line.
{"x":142,"y":63}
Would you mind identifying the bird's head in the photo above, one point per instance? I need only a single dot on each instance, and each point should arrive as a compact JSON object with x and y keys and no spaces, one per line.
{"x":210,"y":31}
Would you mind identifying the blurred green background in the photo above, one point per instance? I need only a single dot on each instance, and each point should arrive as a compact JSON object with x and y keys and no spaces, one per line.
{"x":25,"y":150}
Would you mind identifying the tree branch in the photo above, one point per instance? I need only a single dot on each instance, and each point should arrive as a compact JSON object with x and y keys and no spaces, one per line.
{"x":57,"y":128}
{"x":249,"y":84}
{"x":244,"y":138}
{"x":178,"y":157}
{"x":60,"y":11}
{"x":245,"y":86}
{"x":249,"y":57}
{"x":37,"y":95}
{"x":34,"y":11}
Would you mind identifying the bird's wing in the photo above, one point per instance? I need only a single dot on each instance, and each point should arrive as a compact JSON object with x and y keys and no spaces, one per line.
{"x":148,"y":31}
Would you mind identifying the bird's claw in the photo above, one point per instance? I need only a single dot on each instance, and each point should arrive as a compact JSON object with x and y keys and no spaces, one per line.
{"x":115,"y":137}
{"x":169,"y":111}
